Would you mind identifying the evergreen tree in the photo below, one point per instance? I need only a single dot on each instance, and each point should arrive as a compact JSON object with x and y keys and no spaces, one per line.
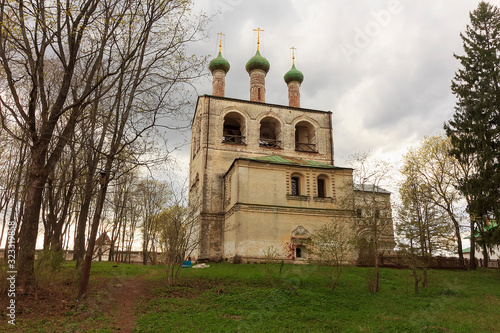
{"x":474,"y":129}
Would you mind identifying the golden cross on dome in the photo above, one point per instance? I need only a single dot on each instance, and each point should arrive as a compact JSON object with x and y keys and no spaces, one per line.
{"x":258,"y":36}
{"x":293,"y":54}
{"x":220,"y":40}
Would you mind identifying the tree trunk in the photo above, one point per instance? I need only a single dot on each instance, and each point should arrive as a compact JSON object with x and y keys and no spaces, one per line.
{"x":84,"y":282}
{"x":79,"y":246}
{"x":56,"y":242}
{"x":459,"y":244}
{"x":416,"y":279}
{"x":472,"y":261}
{"x":425,"y":282}
{"x":92,"y":160}
{"x":376,"y":277}
{"x":29,"y":228}
{"x":145,"y":241}
{"x":485,"y":254}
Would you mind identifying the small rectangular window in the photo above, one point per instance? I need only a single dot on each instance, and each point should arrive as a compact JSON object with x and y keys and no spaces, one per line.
{"x":359,"y":212}
{"x":295,"y":186}
{"x":321,"y":188}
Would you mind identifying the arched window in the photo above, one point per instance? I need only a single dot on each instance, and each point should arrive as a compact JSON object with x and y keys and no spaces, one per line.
{"x":305,"y":137}
{"x":234,"y":129}
{"x":270,"y":133}
{"x":297,"y":185}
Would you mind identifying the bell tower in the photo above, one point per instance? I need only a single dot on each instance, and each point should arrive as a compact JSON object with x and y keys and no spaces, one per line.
{"x":258,"y":169}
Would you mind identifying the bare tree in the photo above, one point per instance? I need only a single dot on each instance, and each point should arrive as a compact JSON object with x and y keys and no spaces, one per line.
{"x":146,"y":89}
{"x":59,"y":58}
{"x":422,"y":225}
{"x":121,"y":205}
{"x":375,"y":231}
{"x":152,"y":198}
{"x":178,"y":234}
{"x":414,"y":261}
{"x":95,"y":128}
{"x":333,"y":245}
{"x":59,"y":198}
{"x":34,"y":36}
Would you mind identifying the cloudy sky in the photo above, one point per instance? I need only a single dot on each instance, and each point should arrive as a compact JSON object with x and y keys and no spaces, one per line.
{"x":383,"y":67}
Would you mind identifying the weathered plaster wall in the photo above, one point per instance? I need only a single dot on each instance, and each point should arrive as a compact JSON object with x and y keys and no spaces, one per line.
{"x":263,"y":214}
{"x":211,"y":157}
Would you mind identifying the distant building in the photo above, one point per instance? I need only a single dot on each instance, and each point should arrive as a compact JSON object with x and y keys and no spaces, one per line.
{"x":493,"y":252}
{"x":262,"y":174}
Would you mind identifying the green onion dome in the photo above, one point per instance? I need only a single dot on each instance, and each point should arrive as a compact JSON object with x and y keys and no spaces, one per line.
{"x":219,"y":63}
{"x":294,"y":75}
{"x":257,"y":62}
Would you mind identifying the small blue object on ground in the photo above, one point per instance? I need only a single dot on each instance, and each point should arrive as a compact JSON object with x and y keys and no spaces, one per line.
{"x":186,"y":264}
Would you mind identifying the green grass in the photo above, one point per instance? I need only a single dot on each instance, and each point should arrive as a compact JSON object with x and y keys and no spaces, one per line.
{"x":260,"y":298}
{"x":244,"y":298}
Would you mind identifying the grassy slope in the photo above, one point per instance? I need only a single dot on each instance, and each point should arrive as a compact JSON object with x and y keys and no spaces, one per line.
{"x":258,"y":298}
{"x":231,"y":298}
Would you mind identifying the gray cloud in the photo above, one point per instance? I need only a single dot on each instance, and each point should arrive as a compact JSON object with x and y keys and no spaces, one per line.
{"x":383,"y":68}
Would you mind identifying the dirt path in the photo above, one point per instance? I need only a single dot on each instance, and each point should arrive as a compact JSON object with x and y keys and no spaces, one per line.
{"x":126,"y":294}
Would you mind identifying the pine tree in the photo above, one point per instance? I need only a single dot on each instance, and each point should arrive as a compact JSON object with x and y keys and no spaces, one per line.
{"x":474,"y":129}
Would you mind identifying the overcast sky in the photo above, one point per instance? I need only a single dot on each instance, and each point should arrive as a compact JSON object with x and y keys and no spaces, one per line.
{"x":382,"y":67}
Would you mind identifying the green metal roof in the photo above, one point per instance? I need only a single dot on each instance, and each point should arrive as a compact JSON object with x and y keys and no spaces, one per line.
{"x":279,"y":159}
{"x":294,"y":75}
{"x":257,"y":62}
{"x":219,"y":63}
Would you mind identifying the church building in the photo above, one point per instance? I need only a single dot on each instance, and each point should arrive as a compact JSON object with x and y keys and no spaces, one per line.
{"x":262,"y":174}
